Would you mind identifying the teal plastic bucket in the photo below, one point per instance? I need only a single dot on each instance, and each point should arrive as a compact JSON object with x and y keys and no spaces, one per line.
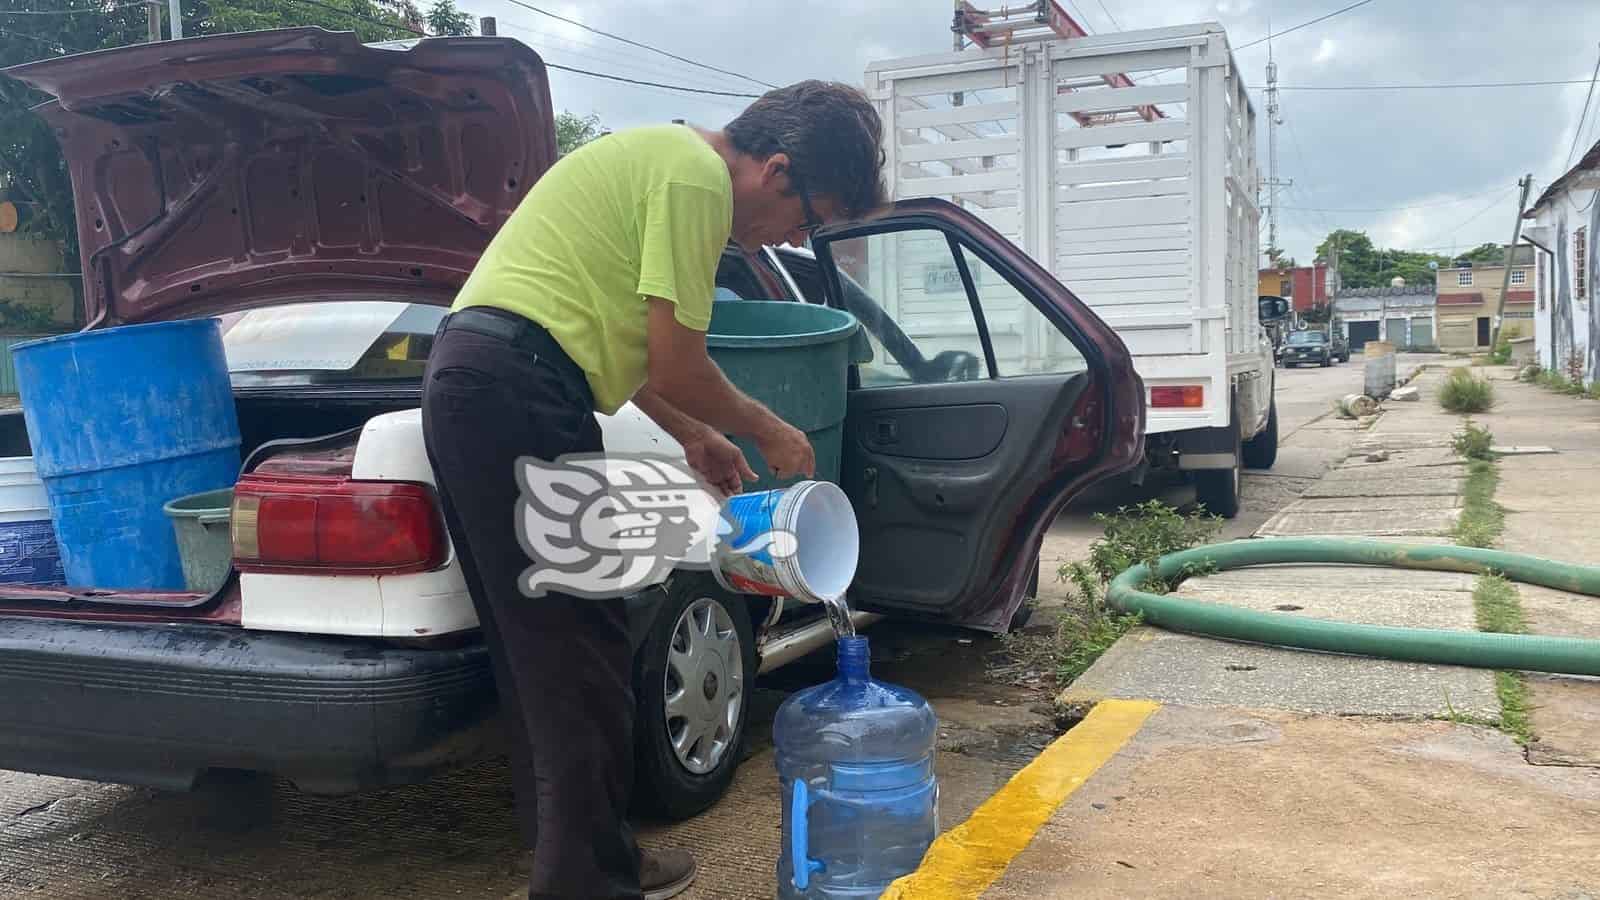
{"x":200,"y":522}
{"x":794,"y":358}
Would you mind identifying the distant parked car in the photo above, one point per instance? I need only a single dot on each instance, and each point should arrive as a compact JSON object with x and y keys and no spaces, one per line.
{"x":1306,"y":347}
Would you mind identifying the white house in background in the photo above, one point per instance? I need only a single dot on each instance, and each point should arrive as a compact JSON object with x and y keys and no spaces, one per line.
{"x":1402,"y":314}
{"x":1566,"y":229}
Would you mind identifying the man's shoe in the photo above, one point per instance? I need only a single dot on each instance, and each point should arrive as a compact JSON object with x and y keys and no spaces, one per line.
{"x":665,"y":873}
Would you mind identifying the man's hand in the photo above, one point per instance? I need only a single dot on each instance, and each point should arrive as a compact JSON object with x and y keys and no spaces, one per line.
{"x":787,"y":450}
{"x":718,"y":461}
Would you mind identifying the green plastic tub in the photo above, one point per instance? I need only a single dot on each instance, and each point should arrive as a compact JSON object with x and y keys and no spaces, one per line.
{"x":794,"y":358}
{"x":205,"y":546}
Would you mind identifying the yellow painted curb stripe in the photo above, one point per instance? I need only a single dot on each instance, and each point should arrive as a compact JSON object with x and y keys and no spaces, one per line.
{"x":965,"y":860}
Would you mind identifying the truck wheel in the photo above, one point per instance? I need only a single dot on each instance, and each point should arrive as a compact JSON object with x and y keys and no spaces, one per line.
{"x":1218,"y":489}
{"x":1261,"y":451}
{"x":693,"y":679}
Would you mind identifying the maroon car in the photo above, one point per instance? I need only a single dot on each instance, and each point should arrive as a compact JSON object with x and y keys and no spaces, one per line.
{"x":281,"y":179}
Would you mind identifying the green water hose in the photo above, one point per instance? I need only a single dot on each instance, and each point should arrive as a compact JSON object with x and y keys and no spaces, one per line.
{"x":1531,"y":653}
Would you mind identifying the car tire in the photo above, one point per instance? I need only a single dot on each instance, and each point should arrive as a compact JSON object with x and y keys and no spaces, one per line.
{"x":1261,"y":451}
{"x":1218,"y":489}
{"x":704,"y":626}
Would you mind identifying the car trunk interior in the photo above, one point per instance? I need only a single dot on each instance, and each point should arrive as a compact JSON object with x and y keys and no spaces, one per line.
{"x":264,"y":416}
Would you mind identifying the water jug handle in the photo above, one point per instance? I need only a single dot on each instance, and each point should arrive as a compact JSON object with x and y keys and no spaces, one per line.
{"x":799,"y":836}
{"x":221,"y":518}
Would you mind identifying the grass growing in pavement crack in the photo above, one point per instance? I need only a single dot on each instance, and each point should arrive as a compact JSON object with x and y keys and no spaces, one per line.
{"x":1088,"y":626}
{"x":1482,"y":519}
{"x":1498,"y":607}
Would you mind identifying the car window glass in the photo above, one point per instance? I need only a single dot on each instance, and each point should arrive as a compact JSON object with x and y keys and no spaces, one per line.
{"x":807,"y":277}
{"x":906,"y":289}
{"x":1024,"y":341}
{"x":736,"y":280}
{"x":332,"y":342}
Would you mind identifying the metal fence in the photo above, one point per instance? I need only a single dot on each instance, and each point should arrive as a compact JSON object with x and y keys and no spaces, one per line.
{"x":8,"y":366}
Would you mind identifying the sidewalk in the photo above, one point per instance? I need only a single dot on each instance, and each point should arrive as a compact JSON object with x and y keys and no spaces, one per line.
{"x":1270,"y":772}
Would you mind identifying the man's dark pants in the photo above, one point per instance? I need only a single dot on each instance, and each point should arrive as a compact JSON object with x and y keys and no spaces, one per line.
{"x":562,"y":664}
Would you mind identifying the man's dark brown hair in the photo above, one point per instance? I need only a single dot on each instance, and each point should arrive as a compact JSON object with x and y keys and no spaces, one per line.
{"x":833,"y":138}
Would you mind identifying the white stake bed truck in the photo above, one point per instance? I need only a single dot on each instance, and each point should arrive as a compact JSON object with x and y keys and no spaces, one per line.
{"x":1124,"y":163}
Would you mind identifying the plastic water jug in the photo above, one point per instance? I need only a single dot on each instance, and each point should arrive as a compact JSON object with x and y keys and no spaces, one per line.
{"x":860,"y":801}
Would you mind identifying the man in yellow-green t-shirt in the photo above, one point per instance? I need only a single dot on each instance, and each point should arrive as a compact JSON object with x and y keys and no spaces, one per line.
{"x":596,"y":292}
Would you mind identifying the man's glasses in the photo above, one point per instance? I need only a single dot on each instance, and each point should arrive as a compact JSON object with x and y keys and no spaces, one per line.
{"x":813,"y":221}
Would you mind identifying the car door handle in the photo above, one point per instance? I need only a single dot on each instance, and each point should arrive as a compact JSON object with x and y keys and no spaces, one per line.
{"x":885,"y":431}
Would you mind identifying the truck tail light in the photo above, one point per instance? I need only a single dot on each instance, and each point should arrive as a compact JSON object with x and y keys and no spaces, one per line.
{"x":1178,"y":396}
{"x":334,"y":525}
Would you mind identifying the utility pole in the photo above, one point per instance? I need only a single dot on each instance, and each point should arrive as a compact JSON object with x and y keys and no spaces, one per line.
{"x":175,"y":13}
{"x":1272,"y":183}
{"x":153,"y":20}
{"x":1511,"y":257}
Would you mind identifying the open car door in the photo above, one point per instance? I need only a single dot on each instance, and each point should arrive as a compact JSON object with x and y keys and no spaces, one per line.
{"x":991,"y":398}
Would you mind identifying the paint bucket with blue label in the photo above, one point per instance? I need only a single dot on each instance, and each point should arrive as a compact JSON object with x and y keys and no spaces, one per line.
{"x":800,"y":542}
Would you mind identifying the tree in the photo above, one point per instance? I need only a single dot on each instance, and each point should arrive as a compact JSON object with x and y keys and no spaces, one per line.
{"x":573,"y":131}
{"x":1363,"y":265}
{"x":32,"y":169}
{"x":444,"y":18}
{"x":1491,"y":253}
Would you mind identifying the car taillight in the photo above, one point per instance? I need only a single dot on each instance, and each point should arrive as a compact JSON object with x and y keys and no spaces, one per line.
{"x":1181,"y":396}
{"x":330,"y":524}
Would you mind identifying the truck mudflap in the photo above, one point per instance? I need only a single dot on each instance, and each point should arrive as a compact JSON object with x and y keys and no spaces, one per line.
{"x":161,"y":704}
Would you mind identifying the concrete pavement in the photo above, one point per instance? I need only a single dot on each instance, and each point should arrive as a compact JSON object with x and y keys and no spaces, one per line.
{"x":1231,"y":789}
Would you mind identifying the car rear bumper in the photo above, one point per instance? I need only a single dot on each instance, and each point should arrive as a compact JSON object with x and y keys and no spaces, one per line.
{"x":160,"y":704}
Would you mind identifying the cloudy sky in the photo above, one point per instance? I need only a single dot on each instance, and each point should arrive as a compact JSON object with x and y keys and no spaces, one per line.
{"x":1418,"y":169}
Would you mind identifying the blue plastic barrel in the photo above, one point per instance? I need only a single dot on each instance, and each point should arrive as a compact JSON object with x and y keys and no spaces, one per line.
{"x":855,"y":766}
{"x":123,"y":420}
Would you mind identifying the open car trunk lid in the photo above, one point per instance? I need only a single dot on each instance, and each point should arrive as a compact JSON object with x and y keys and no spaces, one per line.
{"x":243,"y":170}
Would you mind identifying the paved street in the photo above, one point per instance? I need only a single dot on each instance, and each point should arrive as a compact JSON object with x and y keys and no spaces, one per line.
{"x":61,"y":838}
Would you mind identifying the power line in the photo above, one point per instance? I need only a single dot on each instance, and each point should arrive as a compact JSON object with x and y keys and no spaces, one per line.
{"x":1373,"y":209}
{"x":1323,"y":18}
{"x":655,"y":84}
{"x":1474,"y":217}
{"x":1578,"y":133}
{"x":68,"y":12}
{"x":1114,"y":23}
{"x":641,"y":46}
{"x":1424,"y":86}
{"x":612,"y":60}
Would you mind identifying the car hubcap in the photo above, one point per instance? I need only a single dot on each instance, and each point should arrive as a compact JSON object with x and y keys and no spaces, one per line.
{"x":704,"y":685}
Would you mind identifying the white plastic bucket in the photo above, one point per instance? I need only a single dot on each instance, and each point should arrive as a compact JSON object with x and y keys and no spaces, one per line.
{"x":28,"y":550}
{"x":22,"y":496}
{"x":800,"y":542}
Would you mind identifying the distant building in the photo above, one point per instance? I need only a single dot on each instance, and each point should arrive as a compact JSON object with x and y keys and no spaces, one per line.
{"x":30,"y":279}
{"x":1306,"y":286}
{"x":1402,"y":314}
{"x":1566,"y":229}
{"x":1469,"y":299}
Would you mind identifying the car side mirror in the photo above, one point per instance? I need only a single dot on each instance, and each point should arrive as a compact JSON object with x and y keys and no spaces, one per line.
{"x":860,"y":347}
{"x":1272,"y":309}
